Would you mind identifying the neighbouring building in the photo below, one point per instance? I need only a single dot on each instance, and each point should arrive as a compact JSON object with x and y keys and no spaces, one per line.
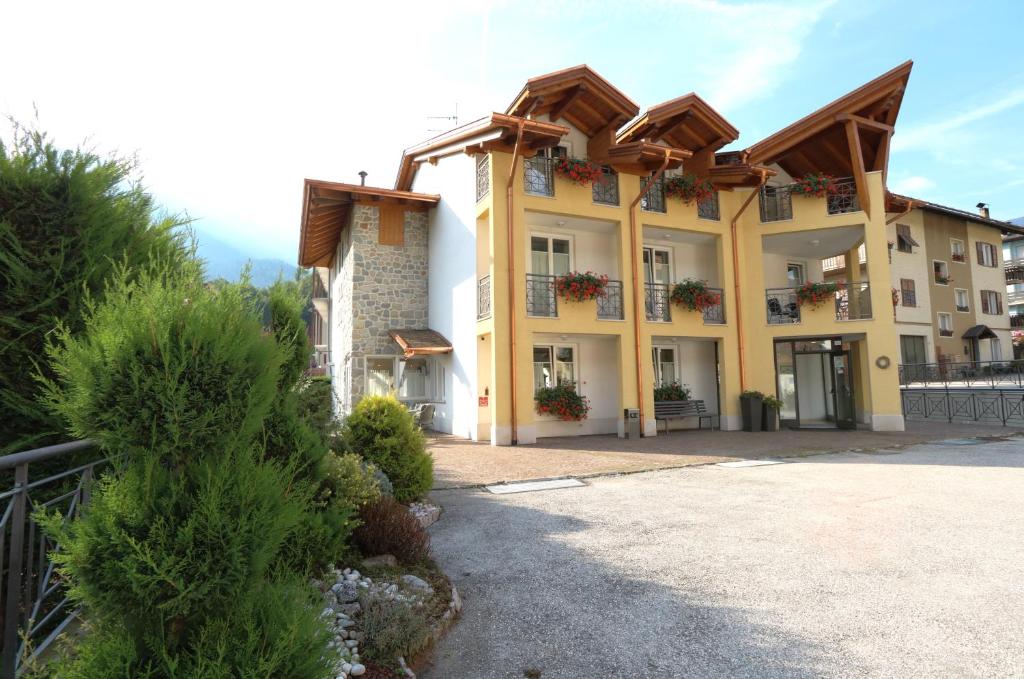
{"x":444,"y":288}
{"x":951,"y":298}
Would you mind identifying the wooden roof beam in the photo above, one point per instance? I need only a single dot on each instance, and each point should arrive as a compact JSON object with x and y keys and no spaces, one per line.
{"x":559,"y":109}
{"x":865,"y":122}
{"x":857,"y":160}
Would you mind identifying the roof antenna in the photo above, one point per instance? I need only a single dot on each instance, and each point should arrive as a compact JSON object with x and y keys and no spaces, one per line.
{"x":453,"y":118}
{"x":362,"y":177}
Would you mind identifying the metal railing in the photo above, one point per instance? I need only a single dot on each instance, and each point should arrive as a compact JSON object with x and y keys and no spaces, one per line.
{"x":1014,"y":270}
{"x":709,"y":209}
{"x":606,"y":190}
{"x":540,"y":295}
{"x":656,"y":302}
{"x":483,"y":298}
{"x":782,"y":305}
{"x":776,"y":203}
{"x":319,"y":289}
{"x":539,"y":175}
{"x":654,"y":197}
{"x":715,"y":314}
{"x":483,"y":175}
{"x":964,"y":374}
{"x":853,"y":302}
{"x":609,"y":305}
{"x":319,"y":358}
{"x":994,"y":406}
{"x":36,"y":608}
{"x":843,"y":197}
{"x":1017,"y":320}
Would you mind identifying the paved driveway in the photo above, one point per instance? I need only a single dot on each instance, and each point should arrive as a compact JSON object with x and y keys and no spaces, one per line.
{"x":908,"y":564}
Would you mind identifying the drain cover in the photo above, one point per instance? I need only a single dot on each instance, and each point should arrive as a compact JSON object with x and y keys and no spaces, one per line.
{"x":527,"y":486}
{"x":748,"y":463}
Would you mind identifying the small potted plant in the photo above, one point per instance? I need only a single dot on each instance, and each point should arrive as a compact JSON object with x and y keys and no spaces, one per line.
{"x":580,"y":172}
{"x":751,"y":404}
{"x":580,"y":287}
{"x":770,"y":416}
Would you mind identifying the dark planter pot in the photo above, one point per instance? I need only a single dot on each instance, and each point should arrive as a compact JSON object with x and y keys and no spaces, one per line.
{"x":770,"y":419}
{"x":750,"y":408}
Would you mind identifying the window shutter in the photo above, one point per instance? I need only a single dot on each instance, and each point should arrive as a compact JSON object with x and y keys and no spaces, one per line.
{"x":391,"y":225}
{"x":980,"y":254}
{"x":999,"y":303}
{"x":984,"y":301}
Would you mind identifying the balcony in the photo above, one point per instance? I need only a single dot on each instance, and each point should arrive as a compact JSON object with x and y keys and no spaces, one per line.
{"x":656,"y":302}
{"x":483,"y":175}
{"x":319,"y":360}
{"x":539,"y":176}
{"x":542,"y":299}
{"x":1017,"y":320}
{"x":853,"y":302}
{"x":776,"y":204}
{"x":606,"y":191}
{"x":843,"y":197}
{"x":1014,"y":269}
{"x":709,"y":209}
{"x":483,"y":298}
{"x":715,"y":315}
{"x":783,"y":307}
{"x":654,"y":198}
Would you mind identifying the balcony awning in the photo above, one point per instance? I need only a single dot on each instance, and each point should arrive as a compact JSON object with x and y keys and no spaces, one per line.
{"x":980,"y":332}
{"x":420,"y":342}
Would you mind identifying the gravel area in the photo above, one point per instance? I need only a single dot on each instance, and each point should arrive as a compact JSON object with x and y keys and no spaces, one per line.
{"x":901,"y":564}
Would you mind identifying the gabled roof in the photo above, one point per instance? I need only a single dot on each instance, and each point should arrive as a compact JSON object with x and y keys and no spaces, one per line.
{"x":577,"y":94}
{"x":819,"y":141}
{"x":1005,"y":227}
{"x":326,"y":207}
{"x":496,"y":131}
{"x":686,"y":122}
{"x":640,"y":157}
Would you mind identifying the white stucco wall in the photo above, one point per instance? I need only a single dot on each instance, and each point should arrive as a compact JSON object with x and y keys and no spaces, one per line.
{"x":451,"y":253}
{"x":696,"y":369}
{"x":597,"y":366}
{"x":775,"y":269}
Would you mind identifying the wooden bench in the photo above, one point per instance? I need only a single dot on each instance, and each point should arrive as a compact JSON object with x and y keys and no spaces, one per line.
{"x":679,"y":410}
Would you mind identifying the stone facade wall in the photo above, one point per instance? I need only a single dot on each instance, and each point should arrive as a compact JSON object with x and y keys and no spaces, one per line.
{"x":380,"y":288}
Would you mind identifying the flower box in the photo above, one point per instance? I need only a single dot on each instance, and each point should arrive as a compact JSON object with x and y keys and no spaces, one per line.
{"x":580,"y":287}
{"x":671,"y":392}
{"x":580,"y":172}
{"x":815,"y":294}
{"x":817,"y":184}
{"x":563,"y":402}
{"x":694,"y":295}
{"x":689,"y":189}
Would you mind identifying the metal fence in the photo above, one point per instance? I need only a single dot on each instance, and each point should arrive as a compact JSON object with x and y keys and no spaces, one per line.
{"x":853,"y":302}
{"x":654,"y":197}
{"x":782,"y":306}
{"x":715,"y":314}
{"x":656,"y":304}
{"x":709,"y":208}
{"x":609,"y":305}
{"x":776,"y":203}
{"x":606,"y":189}
{"x":964,"y":375}
{"x":483,"y":297}
{"x":539,"y":175}
{"x":843,"y":197}
{"x":483,"y":175}
{"x":995,"y":406}
{"x":540,"y":295}
{"x":35,"y":606}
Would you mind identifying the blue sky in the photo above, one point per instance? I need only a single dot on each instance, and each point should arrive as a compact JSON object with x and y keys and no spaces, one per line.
{"x":228,"y":107}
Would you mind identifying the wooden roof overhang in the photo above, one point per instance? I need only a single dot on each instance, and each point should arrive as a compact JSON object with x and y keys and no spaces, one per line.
{"x":580,"y":96}
{"x":642,"y":158}
{"x":326,"y":207}
{"x":496,"y":132}
{"x":417,"y":342}
{"x":849,"y":136}
{"x":686,"y":122}
{"x":737,"y":175}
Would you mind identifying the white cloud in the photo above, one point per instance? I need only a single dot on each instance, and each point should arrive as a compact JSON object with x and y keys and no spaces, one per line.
{"x":930,"y":135}
{"x":911,"y":185}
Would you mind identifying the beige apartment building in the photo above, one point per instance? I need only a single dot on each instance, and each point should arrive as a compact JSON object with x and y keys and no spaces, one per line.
{"x":948,"y":283}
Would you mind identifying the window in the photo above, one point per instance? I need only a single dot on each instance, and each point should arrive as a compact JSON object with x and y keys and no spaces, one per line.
{"x":962,"y":304}
{"x":956,"y":250}
{"x":997,"y":349}
{"x":945,"y":324}
{"x":664,"y":366}
{"x":912,"y":348}
{"x":904,"y":241}
{"x":415,"y":379}
{"x":991,"y":302}
{"x":908,"y":292}
{"x":380,"y":375}
{"x":657,"y":265}
{"x":795,"y":275}
{"x":553,"y":365}
{"x":986,"y":254}
{"x":550,"y":256}
{"x":418,"y":378}
{"x":941,"y":271}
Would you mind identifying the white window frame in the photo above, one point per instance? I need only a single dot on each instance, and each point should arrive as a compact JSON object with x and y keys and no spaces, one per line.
{"x":953,"y":251}
{"x":990,"y":250}
{"x":945,"y":269}
{"x":949,"y":317}
{"x":655,"y":358}
{"x":671,"y":260}
{"x":554,"y":346}
{"x":956,"y":300}
{"x":366,"y":371}
{"x":434,"y":384}
{"x":550,"y":236}
{"x":803,"y":271}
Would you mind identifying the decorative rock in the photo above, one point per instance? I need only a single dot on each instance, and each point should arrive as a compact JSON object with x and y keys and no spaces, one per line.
{"x":379,"y":561}
{"x":425,"y":513}
{"x":358,"y":670}
{"x":346,"y":592}
{"x":417,"y":583}
{"x":456,"y":602}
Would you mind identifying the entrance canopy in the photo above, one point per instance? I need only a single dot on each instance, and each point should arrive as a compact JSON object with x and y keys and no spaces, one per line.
{"x":421,"y":342}
{"x":980,"y":332}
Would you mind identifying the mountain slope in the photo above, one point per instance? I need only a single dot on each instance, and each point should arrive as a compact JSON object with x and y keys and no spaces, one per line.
{"x":224,"y":260}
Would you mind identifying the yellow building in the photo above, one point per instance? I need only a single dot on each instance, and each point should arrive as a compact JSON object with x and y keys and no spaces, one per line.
{"x":573,"y":178}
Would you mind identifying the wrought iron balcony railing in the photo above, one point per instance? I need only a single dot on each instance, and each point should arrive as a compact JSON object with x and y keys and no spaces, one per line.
{"x":782,"y":305}
{"x":483,"y":298}
{"x":1014,"y":269}
{"x":539,"y":175}
{"x":715,"y":315}
{"x":843,"y":197}
{"x":483,"y":175}
{"x":709,"y":209}
{"x":606,"y":190}
{"x":609,"y":305}
{"x":1017,"y":320}
{"x":540,"y":296}
{"x":853,"y":302}
{"x":656,"y":302}
{"x":776,"y":203}
{"x":654,"y":198}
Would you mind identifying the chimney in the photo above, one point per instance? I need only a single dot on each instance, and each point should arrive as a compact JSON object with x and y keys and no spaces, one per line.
{"x":363,"y":173}
{"x":983,"y":210}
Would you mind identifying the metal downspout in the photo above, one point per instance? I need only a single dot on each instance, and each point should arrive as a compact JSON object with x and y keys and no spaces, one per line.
{"x":512,"y":279}
{"x":736,"y":280}
{"x":636,"y":287}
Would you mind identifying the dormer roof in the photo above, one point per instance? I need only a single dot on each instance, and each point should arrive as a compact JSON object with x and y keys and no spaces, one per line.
{"x":686,"y":122}
{"x":579,"y":95}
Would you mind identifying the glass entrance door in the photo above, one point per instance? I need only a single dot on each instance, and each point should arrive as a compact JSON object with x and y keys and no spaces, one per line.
{"x":842,"y":389}
{"x":814,"y":381}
